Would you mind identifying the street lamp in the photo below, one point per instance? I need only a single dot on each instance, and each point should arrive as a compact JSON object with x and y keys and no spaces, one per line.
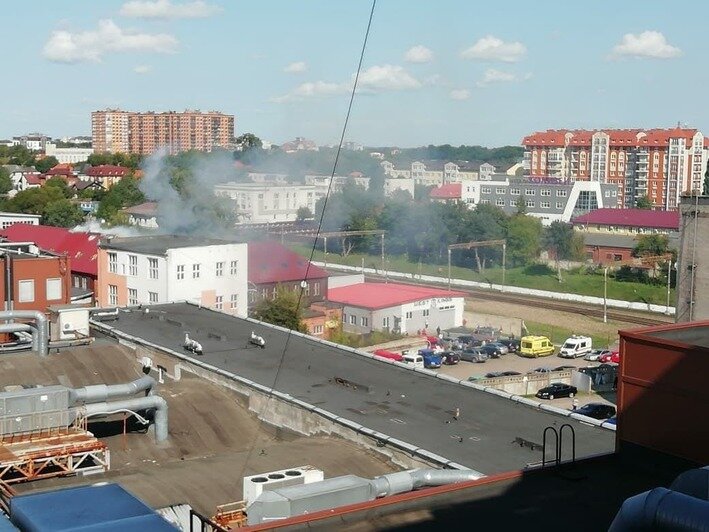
{"x":669,"y":277}
{"x":605,"y":294}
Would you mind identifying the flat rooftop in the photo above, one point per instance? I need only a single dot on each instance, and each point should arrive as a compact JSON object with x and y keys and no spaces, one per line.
{"x":411,"y":406}
{"x":211,"y":434}
{"x":158,"y":244}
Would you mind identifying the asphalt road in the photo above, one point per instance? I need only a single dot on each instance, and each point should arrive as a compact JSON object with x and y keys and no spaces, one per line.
{"x":410,"y":406}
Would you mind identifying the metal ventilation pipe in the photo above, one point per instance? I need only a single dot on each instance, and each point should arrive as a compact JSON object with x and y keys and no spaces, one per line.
{"x":98,"y":393}
{"x":139,"y":403}
{"x":662,"y":509}
{"x":21,"y":327}
{"x":41,"y":322}
{"x":405,"y":481}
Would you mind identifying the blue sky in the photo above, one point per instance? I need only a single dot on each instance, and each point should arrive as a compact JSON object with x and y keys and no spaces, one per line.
{"x":438,"y":72}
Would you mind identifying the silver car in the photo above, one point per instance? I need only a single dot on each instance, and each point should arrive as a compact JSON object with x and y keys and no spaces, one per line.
{"x":594,"y":355}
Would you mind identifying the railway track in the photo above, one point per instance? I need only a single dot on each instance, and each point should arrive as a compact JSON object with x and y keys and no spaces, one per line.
{"x":590,"y":311}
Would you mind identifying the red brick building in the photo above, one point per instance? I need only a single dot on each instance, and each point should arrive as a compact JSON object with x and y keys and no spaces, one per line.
{"x":107,"y":175}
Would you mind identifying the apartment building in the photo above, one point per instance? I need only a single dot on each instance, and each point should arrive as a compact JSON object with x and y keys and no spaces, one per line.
{"x":274,"y":202}
{"x":168,"y":268}
{"x":74,"y":154}
{"x":433,"y":173}
{"x":114,"y":130}
{"x":661,"y":164}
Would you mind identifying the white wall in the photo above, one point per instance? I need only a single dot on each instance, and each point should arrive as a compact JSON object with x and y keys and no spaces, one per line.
{"x":393,"y":184}
{"x":9,"y":218}
{"x":68,"y":155}
{"x":268,"y":203}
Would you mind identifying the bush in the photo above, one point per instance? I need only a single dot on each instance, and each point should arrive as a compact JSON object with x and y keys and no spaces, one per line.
{"x":539,"y":269}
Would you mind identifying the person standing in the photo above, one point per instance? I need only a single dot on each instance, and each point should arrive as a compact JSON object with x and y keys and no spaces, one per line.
{"x":575,"y":404}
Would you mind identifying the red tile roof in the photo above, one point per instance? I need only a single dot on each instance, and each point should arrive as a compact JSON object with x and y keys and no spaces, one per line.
{"x":631,"y":218}
{"x":617,"y":137}
{"x":270,"y":262}
{"x":80,"y":247}
{"x":449,"y":191}
{"x":383,"y":295}
{"x":106,"y":170}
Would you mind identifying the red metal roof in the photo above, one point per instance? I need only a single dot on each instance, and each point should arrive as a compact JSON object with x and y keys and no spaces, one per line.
{"x":383,"y":295}
{"x":448,"y":191}
{"x":270,"y":262}
{"x":631,"y":218}
{"x":617,"y":137}
{"x":80,"y":247}
{"x":107,"y":170}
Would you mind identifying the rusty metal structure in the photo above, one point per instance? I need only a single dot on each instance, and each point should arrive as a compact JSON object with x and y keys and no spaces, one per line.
{"x":231,"y":515}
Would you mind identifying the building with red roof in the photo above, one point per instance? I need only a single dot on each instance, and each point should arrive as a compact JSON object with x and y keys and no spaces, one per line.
{"x":107,"y":174}
{"x":81,"y":248}
{"x":272,"y":265}
{"x":661,"y":164}
{"x":402,"y":308}
{"x":450,"y":192}
{"x":628,"y":221}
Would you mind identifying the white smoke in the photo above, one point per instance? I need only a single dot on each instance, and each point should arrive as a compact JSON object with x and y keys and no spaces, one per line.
{"x":94,"y":226}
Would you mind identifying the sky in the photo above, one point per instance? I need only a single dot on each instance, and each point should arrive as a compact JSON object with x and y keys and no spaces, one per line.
{"x":443,"y":72}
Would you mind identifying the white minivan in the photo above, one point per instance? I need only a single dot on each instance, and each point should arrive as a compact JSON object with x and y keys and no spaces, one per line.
{"x":576,"y":346}
{"x":414,"y":359}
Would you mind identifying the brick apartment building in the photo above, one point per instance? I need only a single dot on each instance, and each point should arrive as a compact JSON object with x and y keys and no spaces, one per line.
{"x":659,"y":163}
{"x":114,"y":130}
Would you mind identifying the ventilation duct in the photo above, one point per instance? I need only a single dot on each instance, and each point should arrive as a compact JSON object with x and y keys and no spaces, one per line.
{"x":131,"y":405}
{"x":41,"y":322}
{"x":21,"y":327}
{"x":101,"y":392}
{"x":662,"y":509}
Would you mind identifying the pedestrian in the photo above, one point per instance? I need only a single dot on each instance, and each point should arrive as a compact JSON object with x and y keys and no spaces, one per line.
{"x":438,"y":331}
{"x":457,"y":413}
{"x":575,"y":404}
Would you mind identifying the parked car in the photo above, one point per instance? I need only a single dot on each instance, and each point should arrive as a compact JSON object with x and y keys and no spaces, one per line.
{"x":503,"y":348}
{"x":576,"y":346}
{"x":488,"y":334}
{"x":557,"y":389}
{"x":491,"y":350}
{"x":383,"y":353}
{"x":594,"y":355}
{"x":511,"y":343}
{"x":494,"y":374}
{"x":431,"y":358}
{"x":450,"y":358}
{"x":613,"y":356}
{"x":597,"y":410}
{"x":565,"y":368}
{"x":612,"y":420}
{"x":536,"y":346}
{"x":541,"y":369}
{"x":473,"y":355}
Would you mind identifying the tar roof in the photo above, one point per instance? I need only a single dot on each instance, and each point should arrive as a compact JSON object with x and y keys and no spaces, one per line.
{"x":270,"y":262}
{"x":159,"y":244}
{"x":383,"y":295}
{"x":405,"y":404}
{"x":631,"y":218}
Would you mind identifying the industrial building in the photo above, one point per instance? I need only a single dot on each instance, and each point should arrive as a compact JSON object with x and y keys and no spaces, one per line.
{"x":693,"y":260}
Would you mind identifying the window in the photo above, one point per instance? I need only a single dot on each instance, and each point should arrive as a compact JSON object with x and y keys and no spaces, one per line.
{"x":54,"y":289}
{"x":112,"y":262}
{"x":499,"y":190}
{"x":317,"y":329}
{"x":219,"y":302}
{"x":514,"y":191}
{"x":307,"y":289}
{"x":385,"y":322}
{"x":153,"y":268}
{"x":545,"y":192}
{"x":180,"y":271}
{"x":485,"y":190}
{"x":364,"y":322}
{"x":233,"y":267}
{"x":133,"y":265}
{"x":530,"y":192}
{"x":353,"y":319}
{"x":608,"y":194}
{"x":316,"y":289}
{"x":112,"y":294}
{"x":220,"y":269}
{"x":234,"y":301}
{"x":153,"y":297}
{"x":344,"y":318}
{"x":529,"y":203}
{"x":545,"y":205}
{"x":426,"y":312}
{"x":195,"y":271}
{"x":409,"y":315}
{"x":26,"y":290}
{"x":500,"y":202}
{"x":513,"y":203}
{"x":132,"y":296}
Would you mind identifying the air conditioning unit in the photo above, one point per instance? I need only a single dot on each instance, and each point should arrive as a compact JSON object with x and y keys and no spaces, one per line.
{"x":254,"y":485}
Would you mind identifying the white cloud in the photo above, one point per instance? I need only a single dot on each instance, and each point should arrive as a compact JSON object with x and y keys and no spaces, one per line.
{"x":490,"y":48}
{"x":67,"y":47}
{"x":648,"y":44}
{"x":492,"y":75}
{"x":418,"y":54}
{"x":460,"y":94}
{"x":373,"y":80}
{"x":166,"y":9}
{"x":142,"y":69}
{"x":296,"y":68}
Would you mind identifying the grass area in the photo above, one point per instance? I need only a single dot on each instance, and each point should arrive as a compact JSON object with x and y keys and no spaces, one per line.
{"x":557,"y":334}
{"x":587,"y":283}
{"x":364,"y":340}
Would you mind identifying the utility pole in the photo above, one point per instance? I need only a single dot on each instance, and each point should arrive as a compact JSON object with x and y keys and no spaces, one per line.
{"x":449,"y":269}
{"x":605,"y":294}
{"x":504,"y":261}
{"x":325,"y":248}
{"x":669,"y":277}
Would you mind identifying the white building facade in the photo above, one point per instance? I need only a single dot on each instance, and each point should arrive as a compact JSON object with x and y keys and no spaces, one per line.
{"x":260,"y":203}
{"x":67,"y":155}
{"x":11,"y":218}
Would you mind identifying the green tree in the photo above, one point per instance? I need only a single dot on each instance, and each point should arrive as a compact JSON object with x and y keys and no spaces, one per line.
{"x":45,"y":163}
{"x":248,"y":141}
{"x":651,"y":245}
{"x":644,"y":202}
{"x":282,"y":310}
{"x":524,"y":236}
{"x":60,"y":184}
{"x":564,"y":242}
{"x":62,"y":213}
{"x":302,"y":214}
{"x":5,"y":181}
{"x":123,"y":194}
{"x":522,"y":205}
{"x":34,"y":200}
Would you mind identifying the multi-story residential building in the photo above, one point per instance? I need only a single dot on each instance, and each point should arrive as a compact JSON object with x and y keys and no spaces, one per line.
{"x":114,"y":130}
{"x":262,"y":203}
{"x":107,"y":175}
{"x":338,"y":181}
{"x":71,"y":155}
{"x":31,"y":141}
{"x":392,"y":184}
{"x":433,"y":173}
{"x":168,"y":268}
{"x":548,"y":199}
{"x":658,"y":163}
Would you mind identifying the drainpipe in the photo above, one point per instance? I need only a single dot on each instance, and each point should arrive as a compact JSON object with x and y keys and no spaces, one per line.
{"x":42,"y":326}
{"x":100,"y":392}
{"x":8,"y":282}
{"x":138,"y":403}
{"x":20,"y":327}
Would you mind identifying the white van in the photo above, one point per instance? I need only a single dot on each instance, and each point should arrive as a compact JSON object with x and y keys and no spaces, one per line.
{"x":576,"y":346}
{"x":414,"y":359}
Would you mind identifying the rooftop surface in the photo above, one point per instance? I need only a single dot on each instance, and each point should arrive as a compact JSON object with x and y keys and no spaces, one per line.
{"x":207,"y":453}
{"x":270,"y":262}
{"x":383,"y":295}
{"x":411,"y":406}
{"x":447,"y":191}
{"x":159,"y":244}
{"x":648,"y":218}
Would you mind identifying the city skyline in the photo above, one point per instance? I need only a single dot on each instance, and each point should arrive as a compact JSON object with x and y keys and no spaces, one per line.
{"x":432,"y":74}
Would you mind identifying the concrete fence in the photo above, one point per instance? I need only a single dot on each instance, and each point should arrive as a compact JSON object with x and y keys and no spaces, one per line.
{"x":463,"y":283}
